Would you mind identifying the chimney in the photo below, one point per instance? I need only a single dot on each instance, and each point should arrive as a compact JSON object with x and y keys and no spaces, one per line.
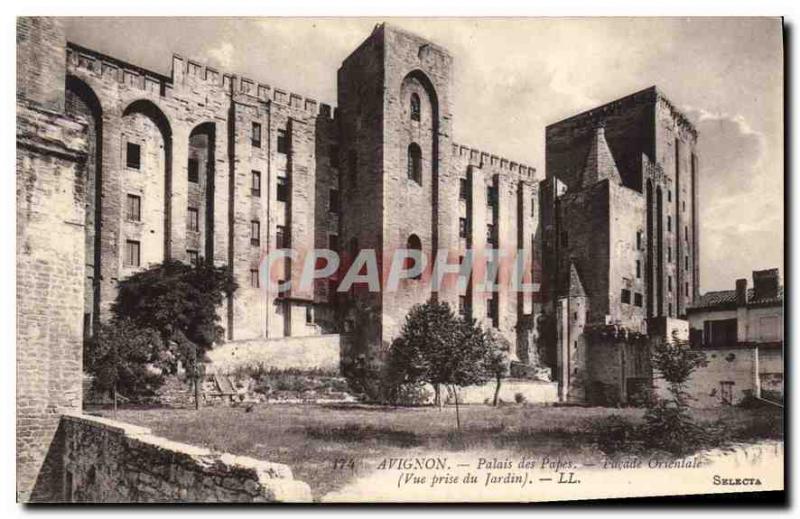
{"x":741,"y":292}
{"x":765,"y":284}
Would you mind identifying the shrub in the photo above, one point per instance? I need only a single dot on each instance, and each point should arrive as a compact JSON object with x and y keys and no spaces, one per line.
{"x":520,"y":398}
{"x":613,"y":434}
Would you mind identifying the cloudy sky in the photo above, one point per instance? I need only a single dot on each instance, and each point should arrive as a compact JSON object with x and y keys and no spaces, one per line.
{"x":515,"y":76}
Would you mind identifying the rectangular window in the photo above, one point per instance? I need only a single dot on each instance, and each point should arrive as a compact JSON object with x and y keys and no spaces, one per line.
{"x":255,"y":183}
{"x":533,"y":207}
{"x":637,"y":299}
{"x":333,"y":156}
{"x":638,"y":240}
{"x":490,"y":234}
{"x":133,"y":156}
{"x":491,"y":311}
{"x":333,"y":200}
{"x":193,"y":219}
{"x":309,"y":314}
{"x":254,"y":281}
{"x":669,"y":283}
{"x":193,"y":256}
{"x":134,"y":208}
{"x":255,"y":233}
{"x":638,"y":269}
{"x":670,"y":310}
{"x":283,"y":189}
{"x":686,"y":262}
{"x":669,"y":196}
{"x":686,"y":289}
{"x":626,"y":296}
{"x":669,"y":254}
{"x":462,"y":227}
{"x":669,"y":223}
{"x":194,"y":171}
{"x":283,"y":142}
{"x":683,"y":205}
{"x":463,"y":188}
{"x":686,"y":233}
{"x":132,"y":253}
{"x":720,"y":332}
{"x":491,"y":196}
{"x":280,"y":237}
{"x":255,"y":135}
{"x":333,"y":242}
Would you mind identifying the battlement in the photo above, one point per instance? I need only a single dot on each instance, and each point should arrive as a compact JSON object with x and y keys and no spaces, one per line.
{"x":481,"y":158}
{"x":652,"y":95}
{"x":195,"y":71}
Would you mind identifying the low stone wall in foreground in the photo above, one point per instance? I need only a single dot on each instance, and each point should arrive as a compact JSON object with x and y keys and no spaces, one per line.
{"x":106,"y":461}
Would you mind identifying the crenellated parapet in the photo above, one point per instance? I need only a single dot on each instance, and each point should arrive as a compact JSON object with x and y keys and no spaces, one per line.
{"x":481,"y":159}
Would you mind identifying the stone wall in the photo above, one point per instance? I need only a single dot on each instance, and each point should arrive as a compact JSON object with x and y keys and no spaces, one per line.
{"x":730,"y":376}
{"x":111,"y":462}
{"x":312,"y":352}
{"x":530,"y":391}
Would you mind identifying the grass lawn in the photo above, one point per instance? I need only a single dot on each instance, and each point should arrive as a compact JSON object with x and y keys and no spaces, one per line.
{"x":310,"y":438}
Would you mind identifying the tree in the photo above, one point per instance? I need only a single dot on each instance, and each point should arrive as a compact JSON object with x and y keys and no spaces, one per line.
{"x":498,"y":359}
{"x":667,"y":422}
{"x":123,"y":358}
{"x":437,"y":347}
{"x":178,"y":301}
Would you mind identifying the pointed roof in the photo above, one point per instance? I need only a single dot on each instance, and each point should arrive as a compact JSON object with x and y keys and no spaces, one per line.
{"x":600,"y":164}
{"x":575,"y":288}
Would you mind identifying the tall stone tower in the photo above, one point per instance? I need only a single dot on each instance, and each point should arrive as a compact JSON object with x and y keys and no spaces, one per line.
{"x":394,"y":116}
{"x":621,"y":180}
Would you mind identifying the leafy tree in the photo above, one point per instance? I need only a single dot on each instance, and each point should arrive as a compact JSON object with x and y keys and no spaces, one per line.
{"x":122,"y":358}
{"x":668,"y":424}
{"x":437,"y":347}
{"x":178,"y":301}
{"x":498,"y":359}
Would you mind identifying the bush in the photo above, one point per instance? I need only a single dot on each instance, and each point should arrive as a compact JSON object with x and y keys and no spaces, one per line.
{"x":613,"y":434}
{"x":669,"y":427}
{"x":520,"y":398}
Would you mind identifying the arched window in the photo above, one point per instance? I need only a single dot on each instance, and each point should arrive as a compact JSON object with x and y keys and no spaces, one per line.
{"x":413,"y":243}
{"x":415,"y":107}
{"x":415,"y":163}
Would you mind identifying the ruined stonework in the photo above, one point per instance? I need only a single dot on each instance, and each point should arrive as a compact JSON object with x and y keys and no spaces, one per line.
{"x":112,"y":462}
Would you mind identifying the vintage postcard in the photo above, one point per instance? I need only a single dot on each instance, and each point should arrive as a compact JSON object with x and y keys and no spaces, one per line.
{"x":401,"y":260}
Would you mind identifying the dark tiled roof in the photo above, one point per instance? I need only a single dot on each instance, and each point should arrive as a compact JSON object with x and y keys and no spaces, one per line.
{"x":728,"y":298}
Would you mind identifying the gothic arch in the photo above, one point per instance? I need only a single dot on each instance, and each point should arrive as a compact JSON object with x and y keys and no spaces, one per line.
{"x":202,"y":148}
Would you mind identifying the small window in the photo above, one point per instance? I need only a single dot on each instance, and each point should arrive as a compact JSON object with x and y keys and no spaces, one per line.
{"x":669,"y":283}
{"x":626,"y":296}
{"x":669,"y":254}
{"x":414,"y":165}
{"x":491,"y":311}
{"x":283,"y":189}
{"x":670,"y":310}
{"x":638,"y":240}
{"x":413,"y":243}
{"x":637,"y":299}
{"x":134,"y":208}
{"x":255,"y":233}
{"x":462,"y":227}
{"x":132,"y":253}
{"x":280,"y":237}
{"x":333,"y":156}
{"x":686,"y":289}
{"x":669,"y":223}
{"x":255,"y":183}
{"x":415,"y":107}
{"x":686,"y":262}
{"x":309,"y":314}
{"x":686,"y":233}
{"x":333,"y":200}
{"x":352,"y":166}
{"x":533,"y":207}
{"x":683,"y":205}
{"x":193,"y":256}
{"x":133,"y":156}
{"x":333,"y":242}
{"x":463,"y":188}
{"x":193,"y":219}
{"x":254,"y":281}
{"x":669,"y":196}
{"x":638,"y":269}
{"x":255,"y":135}
{"x":194,"y":171}
{"x":283,"y":142}
{"x":491,"y":196}
{"x":490,"y":234}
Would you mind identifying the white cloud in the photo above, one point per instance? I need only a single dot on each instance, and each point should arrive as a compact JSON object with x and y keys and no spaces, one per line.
{"x":224,"y":54}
